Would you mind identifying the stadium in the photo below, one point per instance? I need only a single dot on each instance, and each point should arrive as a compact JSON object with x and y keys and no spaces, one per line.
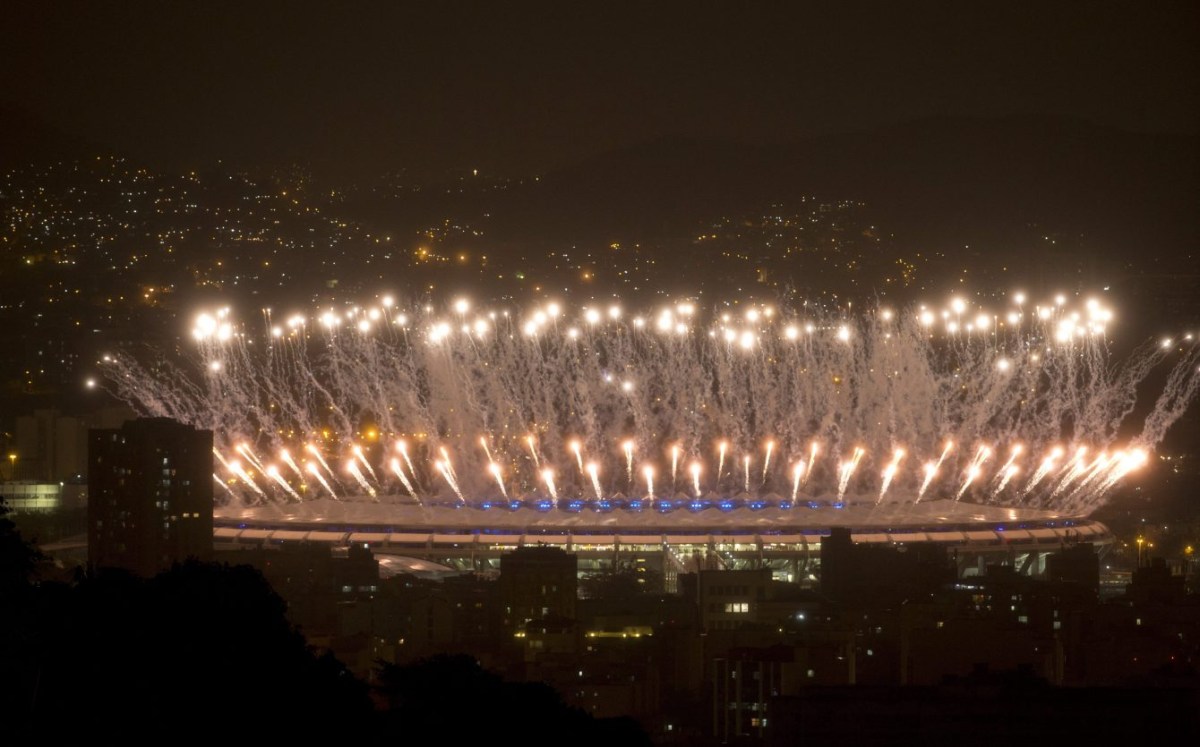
{"x":686,"y":537}
{"x":733,"y":438}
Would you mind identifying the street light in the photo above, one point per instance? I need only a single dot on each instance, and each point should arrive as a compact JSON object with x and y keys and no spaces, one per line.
{"x":12,"y":466}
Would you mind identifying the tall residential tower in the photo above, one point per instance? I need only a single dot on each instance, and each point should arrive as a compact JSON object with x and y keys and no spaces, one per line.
{"x":150,"y":501}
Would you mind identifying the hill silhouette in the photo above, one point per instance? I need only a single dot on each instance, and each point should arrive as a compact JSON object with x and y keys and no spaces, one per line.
{"x":26,"y":139}
{"x":940,"y":180}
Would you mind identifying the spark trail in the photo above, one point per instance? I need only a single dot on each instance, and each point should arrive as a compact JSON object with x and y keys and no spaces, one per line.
{"x":685,"y":387}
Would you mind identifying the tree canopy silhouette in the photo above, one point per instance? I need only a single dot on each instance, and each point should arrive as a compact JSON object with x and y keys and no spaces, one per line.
{"x":203,"y":649}
{"x":452,"y":697}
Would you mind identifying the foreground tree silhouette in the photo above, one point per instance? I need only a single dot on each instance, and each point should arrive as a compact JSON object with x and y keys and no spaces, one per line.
{"x":452,"y":699}
{"x":204,"y":651}
{"x":18,"y":558}
{"x":200,"y":650}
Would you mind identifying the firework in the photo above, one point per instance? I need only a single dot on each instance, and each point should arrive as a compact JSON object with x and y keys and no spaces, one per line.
{"x":887,"y":394}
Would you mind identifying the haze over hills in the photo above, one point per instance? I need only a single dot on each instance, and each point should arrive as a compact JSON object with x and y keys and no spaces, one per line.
{"x":946,"y":181}
{"x":994,"y":193}
{"x":943,"y":179}
{"x":1046,"y":201}
{"x":27,"y":139}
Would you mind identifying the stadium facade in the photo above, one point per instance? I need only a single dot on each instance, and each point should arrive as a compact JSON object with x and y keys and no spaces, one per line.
{"x":671,"y":537}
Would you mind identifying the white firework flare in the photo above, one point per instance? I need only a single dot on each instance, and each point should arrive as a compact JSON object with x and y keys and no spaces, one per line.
{"x":1035,"y":380}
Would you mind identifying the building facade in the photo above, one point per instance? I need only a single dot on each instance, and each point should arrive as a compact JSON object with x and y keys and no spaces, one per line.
{"x":150,"y":491}
{"x":537,"y":583}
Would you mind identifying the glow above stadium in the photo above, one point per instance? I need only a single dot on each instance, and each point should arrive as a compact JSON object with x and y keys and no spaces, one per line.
{"x":752,"y":407}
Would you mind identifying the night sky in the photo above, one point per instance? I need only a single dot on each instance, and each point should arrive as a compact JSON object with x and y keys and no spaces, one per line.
{"x":516,"y":88}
